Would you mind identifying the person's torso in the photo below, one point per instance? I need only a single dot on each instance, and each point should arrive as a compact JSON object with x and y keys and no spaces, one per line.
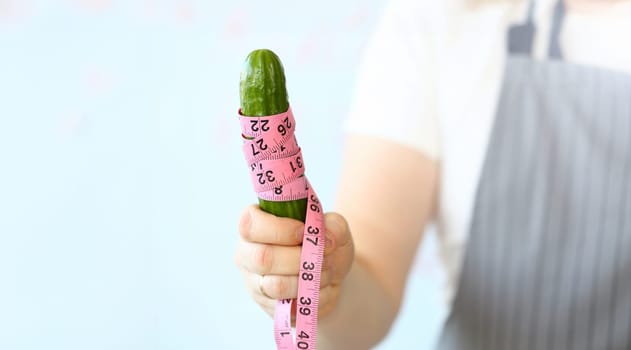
{"x":470,"y":55}
{"x":547,"y":264}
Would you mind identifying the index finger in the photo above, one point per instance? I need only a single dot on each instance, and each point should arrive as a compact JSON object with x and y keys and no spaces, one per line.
{"x":261,"y":227}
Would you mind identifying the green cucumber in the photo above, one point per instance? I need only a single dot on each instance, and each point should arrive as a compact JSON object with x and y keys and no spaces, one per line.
{"x":263,"y":92}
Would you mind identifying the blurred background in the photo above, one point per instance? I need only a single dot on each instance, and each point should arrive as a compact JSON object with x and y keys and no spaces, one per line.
{"x":121,"y":177}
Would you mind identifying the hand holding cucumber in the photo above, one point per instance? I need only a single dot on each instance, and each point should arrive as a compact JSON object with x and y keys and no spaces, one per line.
{"x":268,"y":255}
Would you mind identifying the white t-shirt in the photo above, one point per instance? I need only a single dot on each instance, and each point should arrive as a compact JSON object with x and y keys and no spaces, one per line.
{"x":431,"y":76}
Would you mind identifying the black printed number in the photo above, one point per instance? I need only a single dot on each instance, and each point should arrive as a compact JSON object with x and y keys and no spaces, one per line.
{"x":305,"y":311}
{"x":303,"y":335}
{"x":298,"y":165}
{"x":282,"y":130}
{"x":254,"y":125}
{"x":267,"y":176}
{"x":261,"y":145}
{"x":313,"y":240}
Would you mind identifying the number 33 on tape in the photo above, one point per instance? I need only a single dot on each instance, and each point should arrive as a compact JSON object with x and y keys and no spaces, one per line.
{"x":277,"y":171}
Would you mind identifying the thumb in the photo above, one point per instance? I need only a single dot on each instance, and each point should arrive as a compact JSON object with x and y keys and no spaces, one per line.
{"x":337,"y":232}
{"x":340,"y":252}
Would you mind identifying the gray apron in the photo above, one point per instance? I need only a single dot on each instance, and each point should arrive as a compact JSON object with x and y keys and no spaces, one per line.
{"x":548,"y":261}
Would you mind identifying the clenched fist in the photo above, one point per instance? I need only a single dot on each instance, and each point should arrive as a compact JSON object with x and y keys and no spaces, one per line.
{"x":268,"y":255}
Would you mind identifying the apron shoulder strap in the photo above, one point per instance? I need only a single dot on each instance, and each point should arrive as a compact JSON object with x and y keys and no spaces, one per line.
{"x":554,"y":50}
{"x":520,"y":37}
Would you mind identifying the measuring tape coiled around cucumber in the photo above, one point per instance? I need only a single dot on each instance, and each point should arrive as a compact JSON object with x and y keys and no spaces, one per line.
{"x":277,"y":172}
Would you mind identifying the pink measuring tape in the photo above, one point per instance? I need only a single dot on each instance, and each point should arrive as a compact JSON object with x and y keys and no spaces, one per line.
{"x":277,"y":171}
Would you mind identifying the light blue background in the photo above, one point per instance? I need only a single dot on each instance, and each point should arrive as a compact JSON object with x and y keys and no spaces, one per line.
{"x":121,"y":177}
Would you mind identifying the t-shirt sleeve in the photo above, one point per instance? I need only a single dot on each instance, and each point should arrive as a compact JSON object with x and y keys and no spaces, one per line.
{"x":394,"y":95}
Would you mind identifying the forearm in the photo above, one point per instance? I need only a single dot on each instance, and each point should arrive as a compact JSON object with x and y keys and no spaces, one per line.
{"x":362,"y":316}
{"x":386,"y":216}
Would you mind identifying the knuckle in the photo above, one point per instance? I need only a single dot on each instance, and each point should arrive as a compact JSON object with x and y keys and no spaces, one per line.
{"x":276,"y":234}
{"x":286,"y":230}
{"x":277,"y":227}
{"x":245,"y":224}
{"x":238,"y":255}
{"x":245,"y":234}
{"x":296,"y":232}
{"x":280,"y":287}
{"x":263,"y":258}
